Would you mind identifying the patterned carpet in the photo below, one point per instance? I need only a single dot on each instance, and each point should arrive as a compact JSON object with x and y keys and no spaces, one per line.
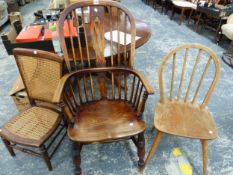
{"x":121,"y":158}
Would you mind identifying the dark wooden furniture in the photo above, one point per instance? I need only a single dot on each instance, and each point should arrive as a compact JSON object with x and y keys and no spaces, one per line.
{"x":94,"y":20}
{"x":101,"y":111}
{"x":8,"y":40}
{"x":212,"y":18}
{"x":31,"y":130}
{"x":178,"y":113}
{"x":227,"y":56}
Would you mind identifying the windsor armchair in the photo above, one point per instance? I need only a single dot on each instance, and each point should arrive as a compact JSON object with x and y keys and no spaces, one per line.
{"x":30,"y":131}
{"x":179,"y":114}
{"x":100,"y":111}
{"x":103,"y":34}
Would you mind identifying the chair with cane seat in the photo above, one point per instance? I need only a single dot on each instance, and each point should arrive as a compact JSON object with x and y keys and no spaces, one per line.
{"x":31,"y":130}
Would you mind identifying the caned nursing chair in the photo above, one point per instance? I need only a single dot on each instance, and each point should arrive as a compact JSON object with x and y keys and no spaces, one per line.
{"x":30,"y":131}
{"x":183,"y":112}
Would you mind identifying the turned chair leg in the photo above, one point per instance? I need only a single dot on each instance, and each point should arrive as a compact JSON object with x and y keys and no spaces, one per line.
{"x":205,"y":155}
{"x":46,"y":158}
{"x":154,"y":147}
{"x":77,"y":158}
{"x":141,"y":150}
{"x":9,"y":148}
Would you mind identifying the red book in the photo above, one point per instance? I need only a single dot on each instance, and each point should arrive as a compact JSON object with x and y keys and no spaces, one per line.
{"x":31,"y":33}
{"x":48,"y":32}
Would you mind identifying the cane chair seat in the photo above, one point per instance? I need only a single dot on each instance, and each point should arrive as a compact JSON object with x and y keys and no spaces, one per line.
{"x":32,"y":126}
{"x":105,"y":120}
{"x":171,"y":117}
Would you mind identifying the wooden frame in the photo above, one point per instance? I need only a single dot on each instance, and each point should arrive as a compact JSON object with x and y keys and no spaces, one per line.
{"x":183,"y":117}
{"x":35,"y":146}
{"x":123,"y":107}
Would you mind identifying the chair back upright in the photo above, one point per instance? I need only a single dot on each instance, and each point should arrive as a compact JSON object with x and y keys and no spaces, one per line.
{"x":187,"y":84}
{"x":41,"y":72}
{"x":97,"y":34}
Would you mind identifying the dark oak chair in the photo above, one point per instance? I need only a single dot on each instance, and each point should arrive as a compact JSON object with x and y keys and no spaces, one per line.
{"x":100,"y":110}
{"x":30,"y":131}
{"x":99,"y":34}
{"x":180,"y":114}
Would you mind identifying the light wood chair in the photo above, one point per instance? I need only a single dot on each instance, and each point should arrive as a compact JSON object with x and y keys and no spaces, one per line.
{"x":179,"y":114}
{"x":101,"y":111}
{"x":30,"y":131}
{"x":98,"y":35}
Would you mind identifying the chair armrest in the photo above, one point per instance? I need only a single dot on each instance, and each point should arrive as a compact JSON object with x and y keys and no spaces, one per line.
{"x":145,"y":82}
{"x":58,"y":92}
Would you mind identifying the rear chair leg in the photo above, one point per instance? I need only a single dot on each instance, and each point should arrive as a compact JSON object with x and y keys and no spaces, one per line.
{"x":141,"y":150}
{"x":77,"y":158}
{"x":9,"y":148}
{"x":46,"y":158}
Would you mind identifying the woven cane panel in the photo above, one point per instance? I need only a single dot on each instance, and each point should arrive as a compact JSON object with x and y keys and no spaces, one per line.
{"x":33,"y":123}
{"x":41,"y":76}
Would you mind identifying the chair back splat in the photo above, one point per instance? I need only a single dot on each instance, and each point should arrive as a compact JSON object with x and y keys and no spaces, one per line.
{"x":97,"y":34}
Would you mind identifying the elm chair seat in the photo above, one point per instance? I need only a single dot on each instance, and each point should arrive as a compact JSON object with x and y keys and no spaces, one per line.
{"x":113,"y":120}
{"x":200,"y":124}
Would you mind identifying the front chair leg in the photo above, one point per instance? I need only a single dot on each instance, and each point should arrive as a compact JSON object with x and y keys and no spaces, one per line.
{"x":46,"y":158}
{"x":154,"y":147}
{"x":77,"y":158}
{"x":9,"y":148}
{"x":205,"y":155}
{"x":141,"y":150}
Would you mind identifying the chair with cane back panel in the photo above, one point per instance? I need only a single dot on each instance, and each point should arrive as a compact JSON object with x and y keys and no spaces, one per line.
{"x":108,"y":113}
{"x":181,"y":115}
{"x":30,"y":131}
{"x":99,"y":33}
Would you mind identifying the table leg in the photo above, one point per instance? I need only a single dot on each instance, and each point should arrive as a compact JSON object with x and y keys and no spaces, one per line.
{"x":181,"y":16}
{"x":198,"y":21}
{"x":190,"y":15}
{"x":218,"y":35}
